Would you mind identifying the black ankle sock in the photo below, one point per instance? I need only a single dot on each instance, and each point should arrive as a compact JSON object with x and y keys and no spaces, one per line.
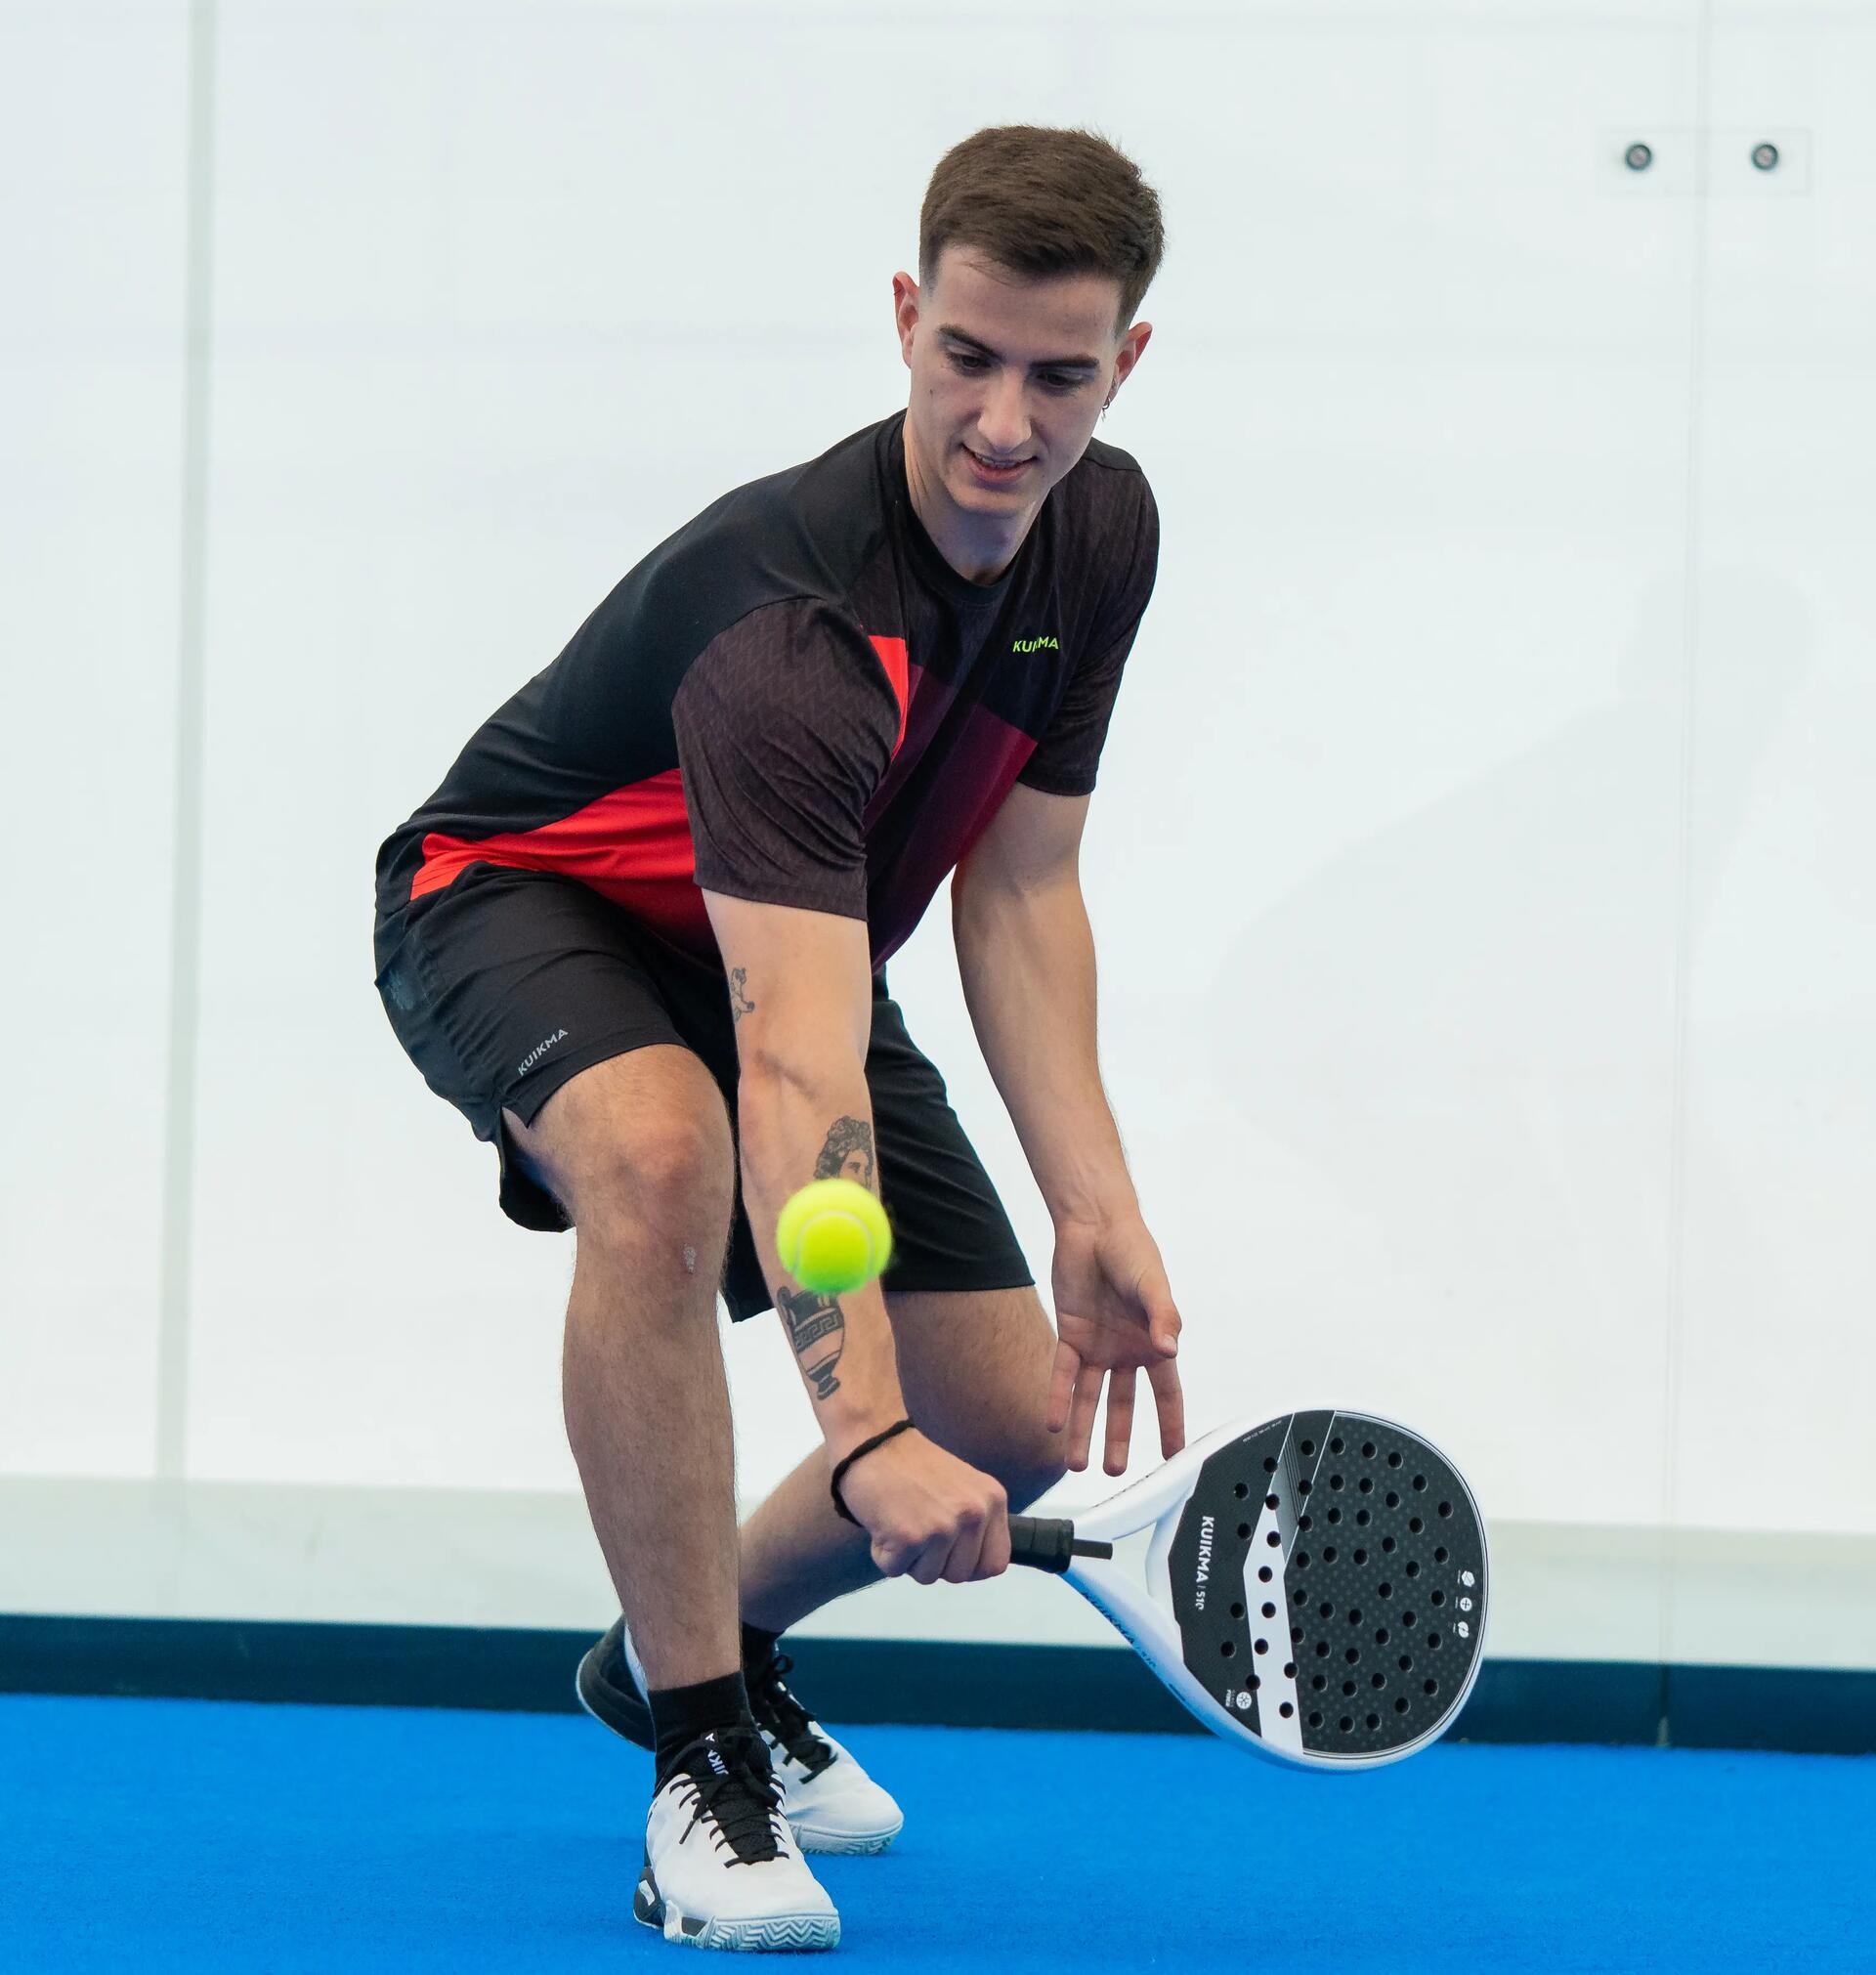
{"x":757,"y":1644}
{"x":680,"y":1715}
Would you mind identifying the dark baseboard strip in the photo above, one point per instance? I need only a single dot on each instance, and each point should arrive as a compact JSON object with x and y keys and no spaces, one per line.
{"x":895,"y":1680}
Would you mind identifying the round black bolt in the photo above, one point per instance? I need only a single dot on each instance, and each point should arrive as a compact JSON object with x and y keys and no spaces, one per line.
{"x":1764,"y":155}
{"x":1637,"y":157}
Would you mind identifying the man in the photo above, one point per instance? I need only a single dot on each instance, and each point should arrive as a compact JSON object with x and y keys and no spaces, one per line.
{"x":639,"y":937}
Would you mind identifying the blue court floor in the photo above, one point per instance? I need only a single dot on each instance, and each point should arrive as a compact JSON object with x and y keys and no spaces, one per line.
{"x":154,"y":1835}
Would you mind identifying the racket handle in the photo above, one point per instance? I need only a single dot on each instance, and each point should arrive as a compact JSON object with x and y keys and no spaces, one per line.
{"x":1048,"y":1542}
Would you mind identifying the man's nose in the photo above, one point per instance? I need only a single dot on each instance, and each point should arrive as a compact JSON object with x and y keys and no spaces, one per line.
{"x":1004,"y":420}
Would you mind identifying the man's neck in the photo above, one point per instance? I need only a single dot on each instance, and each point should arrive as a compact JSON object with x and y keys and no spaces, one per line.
{"x":980,"y":548}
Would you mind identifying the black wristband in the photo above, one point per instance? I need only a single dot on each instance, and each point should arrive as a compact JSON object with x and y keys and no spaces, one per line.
{"x":842,"y":1467}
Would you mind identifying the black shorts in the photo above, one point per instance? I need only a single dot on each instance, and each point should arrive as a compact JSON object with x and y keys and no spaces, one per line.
{"x":510,"y":983}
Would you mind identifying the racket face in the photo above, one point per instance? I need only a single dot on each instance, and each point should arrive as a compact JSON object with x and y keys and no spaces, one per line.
{"x":1327,"y":1579}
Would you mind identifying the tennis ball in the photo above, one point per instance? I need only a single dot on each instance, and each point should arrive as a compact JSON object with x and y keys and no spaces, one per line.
{"x":833,"y":1236}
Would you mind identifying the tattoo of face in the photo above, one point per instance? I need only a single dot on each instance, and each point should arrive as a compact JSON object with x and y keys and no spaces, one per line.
{"x":740,"y":1002}
{"x":818,"y":1333}
{"x":847,"y":1153}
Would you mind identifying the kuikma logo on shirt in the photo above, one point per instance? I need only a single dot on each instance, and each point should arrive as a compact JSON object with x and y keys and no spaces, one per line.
{"x":1041,"y":644}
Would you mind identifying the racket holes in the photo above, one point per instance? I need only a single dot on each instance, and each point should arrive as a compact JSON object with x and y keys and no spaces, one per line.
{"x":1439,"y":1556}
{"x":1419,"y":1481}
{"x":1394,"y":1500}
{"x":1256,"y":1683}
{"x":1439,"y":1598}
{"x":1298,"y":1597}
{"x":1413,"y":1568}
{"x":1315,"y":1720}
{"x":1386,"y":1590}
{"x":1296,"y":1635}
{"x":1335,"y":1515}
{"x":1346,"y":1724}
{"x":1244,"y":1532}
{"x":1374,"y":1721}
{"x":1263,"y":1574}
{"x":1431,"y":1687}
{"x":1334,"y":1481}
{"x":1433,"y":1640}
{"x":1381,"y":1636}
{"x":1290,"y":1669}
{"x":1347,"y":1688}
{"x":1241,"y":1490}
{"x":1237,"y":1611}
{"x":1406,"y":1662}
{"x":1303,"y":1487}
{"x":1393,"y":1459}
{"x":1322,"y":1649}
{"x":1269,"y":1464}
{"x":1302,"y":1560}
{"x":1334,"y":1445}
{"x":1379,"y":1680}
{"x":1361,"y":1556}
{"x":1415,"y":1526}
{"x":1269,"y":1501}
{"x":1387,"y":1544}
{"x":1319,"y":1682}
{"x":1400,"y":1706}
{"x":1361,"y":1519}
{"x":1407,"y":1619}
{"x":1273,"y":1539}
{"x":1354,"y":1618}
{"x":1325,"y":1610}
{"x":1269,"y":1611}
{"x":1368,"y":1450}
{"x":1330,"y":1554}
{"x":1308,"y":1448}
{"x":1306,"y":1522}
{"x":1227,"y":1649}
{"x":1286,"y":1710}
{"x":1445,"y":1508}
{"x":1264,"y":1646}
{"x":1353,"y":1656}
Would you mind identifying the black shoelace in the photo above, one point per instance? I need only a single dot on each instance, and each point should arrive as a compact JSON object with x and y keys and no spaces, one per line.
{"x":738,"y":1803}
{"x":781,"y":1716}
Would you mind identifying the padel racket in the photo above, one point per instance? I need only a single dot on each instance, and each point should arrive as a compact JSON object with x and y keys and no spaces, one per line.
{"x":1315,"y":1586}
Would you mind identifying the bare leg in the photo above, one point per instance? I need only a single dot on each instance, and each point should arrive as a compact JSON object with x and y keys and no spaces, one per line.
{"x":639,"y":1149}
{"x":974,"y":1368}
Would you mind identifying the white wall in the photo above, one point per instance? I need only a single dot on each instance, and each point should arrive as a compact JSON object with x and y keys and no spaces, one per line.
{"x":1488,"y":951}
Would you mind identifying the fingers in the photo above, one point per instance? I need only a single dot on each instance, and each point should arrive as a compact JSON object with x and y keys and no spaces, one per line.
{"x":1081,"y":1418}
{"x":1169,"y":1398}
{"x":1120,"y":1417}
{"x":1061,"y":1385}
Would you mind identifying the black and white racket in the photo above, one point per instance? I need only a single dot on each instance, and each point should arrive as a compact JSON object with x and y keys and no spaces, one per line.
{"x":1315,"y":1585}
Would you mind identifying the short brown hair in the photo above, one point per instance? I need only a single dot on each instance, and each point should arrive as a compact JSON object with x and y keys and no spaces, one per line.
{"x":1043,"y":201}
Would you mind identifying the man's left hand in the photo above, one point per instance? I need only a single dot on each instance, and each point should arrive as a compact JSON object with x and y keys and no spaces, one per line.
{"x":1114,"y":1314}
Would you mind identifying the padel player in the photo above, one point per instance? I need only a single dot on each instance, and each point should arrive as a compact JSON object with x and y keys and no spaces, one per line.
{"x":639,"y":938}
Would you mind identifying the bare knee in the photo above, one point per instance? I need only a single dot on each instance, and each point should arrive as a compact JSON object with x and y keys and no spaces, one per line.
{"x":641,"y":1159}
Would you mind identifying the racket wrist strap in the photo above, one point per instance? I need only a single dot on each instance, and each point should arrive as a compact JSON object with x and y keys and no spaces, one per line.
{"x":847,"y":1460}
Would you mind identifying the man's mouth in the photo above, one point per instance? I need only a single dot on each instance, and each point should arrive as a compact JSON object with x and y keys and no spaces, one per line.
{"x":998,"y":469}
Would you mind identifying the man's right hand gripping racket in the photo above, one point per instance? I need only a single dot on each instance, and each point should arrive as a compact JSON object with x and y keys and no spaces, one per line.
{"x":1315,"y":1586}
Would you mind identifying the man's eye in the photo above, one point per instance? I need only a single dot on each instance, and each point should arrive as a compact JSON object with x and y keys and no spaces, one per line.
{"x":964,"y":362}
{"x":974,"y":364}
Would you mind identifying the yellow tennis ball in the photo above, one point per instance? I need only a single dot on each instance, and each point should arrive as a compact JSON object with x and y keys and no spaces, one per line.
{"x":833,"y":1236}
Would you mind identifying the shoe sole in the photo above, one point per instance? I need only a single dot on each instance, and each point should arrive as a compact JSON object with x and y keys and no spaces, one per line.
{"x":757,"y":1934}
{"x":627,"y":1716}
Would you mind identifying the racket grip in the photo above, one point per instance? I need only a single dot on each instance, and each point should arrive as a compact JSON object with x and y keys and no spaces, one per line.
{"x":1049,"y":1542}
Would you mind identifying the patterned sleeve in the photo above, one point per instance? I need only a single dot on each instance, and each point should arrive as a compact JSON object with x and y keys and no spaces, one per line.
{"x":1066,"y":756}
{"x":786,"y":723}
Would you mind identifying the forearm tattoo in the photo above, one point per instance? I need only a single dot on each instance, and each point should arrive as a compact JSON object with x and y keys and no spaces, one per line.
{"x":819,"y":1334}
{"x":847,"y":1153}
{"x":740,"y":1002}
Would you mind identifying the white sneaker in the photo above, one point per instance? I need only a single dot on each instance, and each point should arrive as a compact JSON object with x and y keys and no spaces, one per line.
{"x":721,"y":1865}
{"x":832,"y":1802}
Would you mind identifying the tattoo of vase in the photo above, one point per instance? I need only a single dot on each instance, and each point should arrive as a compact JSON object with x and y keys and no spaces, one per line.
{"x":740,"y":1002}
{"x":818,"y":1333}
{"x":847,"y":1153}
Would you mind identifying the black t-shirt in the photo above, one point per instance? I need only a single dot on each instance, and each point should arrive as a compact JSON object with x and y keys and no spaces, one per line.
{"x":796,"y":700}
